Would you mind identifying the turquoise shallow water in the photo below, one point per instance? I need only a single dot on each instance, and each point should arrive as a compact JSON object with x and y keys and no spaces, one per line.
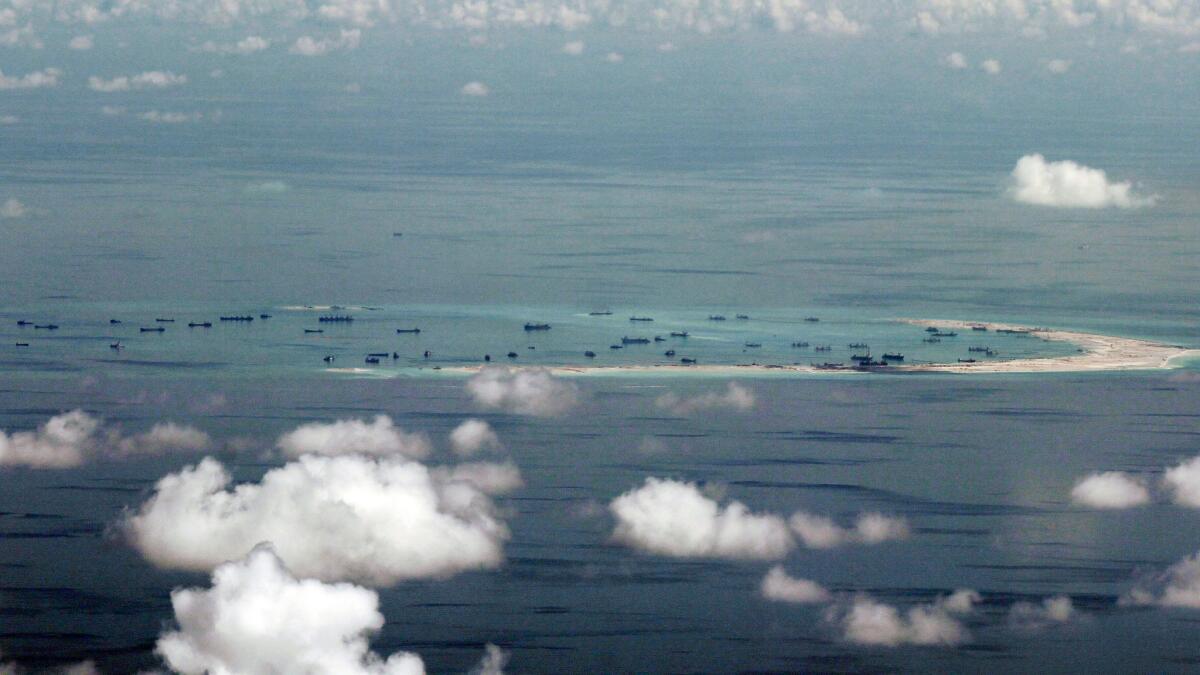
{"x":458,"y":336}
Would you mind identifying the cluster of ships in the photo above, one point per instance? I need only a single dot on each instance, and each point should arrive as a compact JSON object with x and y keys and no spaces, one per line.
{"x":860,"y":358}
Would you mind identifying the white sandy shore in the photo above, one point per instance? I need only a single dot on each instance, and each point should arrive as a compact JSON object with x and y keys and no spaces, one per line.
{"x":1097,"y":353}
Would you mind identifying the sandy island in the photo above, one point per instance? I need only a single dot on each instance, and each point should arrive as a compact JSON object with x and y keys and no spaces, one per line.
{"x":1097,"y":353}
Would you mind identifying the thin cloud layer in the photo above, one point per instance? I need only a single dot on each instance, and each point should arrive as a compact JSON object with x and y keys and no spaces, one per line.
{"x":1066,"y":184}
{"x":380,"y":437}
{"x":473,"y":436}
{"x":673,"y":518}
{"x":523,"y":391}
{"x":865,"y":621}
{"x":372,"y":520}
{"x":778,"y":585}
{"x":735,"y":397}
{"x":1110,"y":490}
{"x":870,"y":528}
{"x":258,"y":618}
{"x":12,"y":207}
{"x":74,"y":438}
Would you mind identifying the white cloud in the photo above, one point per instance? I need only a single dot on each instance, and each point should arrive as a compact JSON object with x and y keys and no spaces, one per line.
{"x":258,"y":618}
{"x":309,"y":46}
{"x":1050,"y":611}
{"x":169,"y":117}
{"x":38,"y":79}
{"x":777,"y":585}
{"x":991,"y":66}
{"x":379,"y":437}
{"x":1110,"y":490}
{"x":492,"y":663}
{"x":472,"y":436}
{"x":1066,"y":184}
{"x":477,"y":89}
{"x":267,"y":187}
{"x":247,"y":45}
{"x":81,"y":43}
{"x":1178,"y":586}
{"x":870,"y":528}
{"x":667,"y":47}
{"x":21,"y":37}
{"x":1190,"y":48}
{"x":832,"y":22}
{"x":112,"y":110}
{"x":6,"y":120}
{"x":735,"y":397}
{"x":574,"y":48}
{"x":1058,"y":66}
{"x":956,"y":60}
{"x":151,"y":79}
{"x":866,"y":621}
{"x":1183,"y":482}
{"x":524,"y":391}
{"x":613,"y":57}
{"x":13,"y":208}
{"x":73,"y":438}
{"x":349,"y":517}
{"x":673,"y":518}
{"x":488,"y":477}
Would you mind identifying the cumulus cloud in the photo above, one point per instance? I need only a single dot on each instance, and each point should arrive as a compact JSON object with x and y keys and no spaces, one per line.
{"x":473,"y":436}
{"x":1050,"y":611}
{"x":1178,"y":586}
{"x":674,"y":518}
{"x":258,"y":618}
{"x":735,"y":397}
{"x":1110,"y":490}
{"x":38,"y":79}
{"x":574,"y":48}
{"x":488,"y":477}
{"x":73,"y":438}
{"x":777,"y":585}
{"x":991,"y":66}
{"x":870,"y":528}
{"x":492,"y":663}
{"x":81,"y":43}
{"x":865,"y":621}
{"x":956,"y":61}
{"x":379,"y":437}
{"x":13,"y":208}
{"x":151,"y":79}
{"x":477,"y":89}
{"x":21,"y":37}
{"x":524,"y":391}
{"x":309,"y":46}
{"x":1066,"y":184}
{"x":347,"y":517}
{"x":1183,"y":482}
{"x":247,"y":45}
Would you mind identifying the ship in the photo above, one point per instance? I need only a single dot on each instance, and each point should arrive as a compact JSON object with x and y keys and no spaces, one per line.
{"x":199,"y":324}
{"x":414,"y":330}
{"x":336,"y":318}
{"x":537,"y":326}
{"x":239,"y":317}
{"x":159,"y":329}
{"x":635,"y":341}
{"x":679,"y":333}
{"x":604,"y":313}
{"x":893,"y":356}
{"x":716,"y":317}
{"x":640,"y":318}
{"x":590,"y":354}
